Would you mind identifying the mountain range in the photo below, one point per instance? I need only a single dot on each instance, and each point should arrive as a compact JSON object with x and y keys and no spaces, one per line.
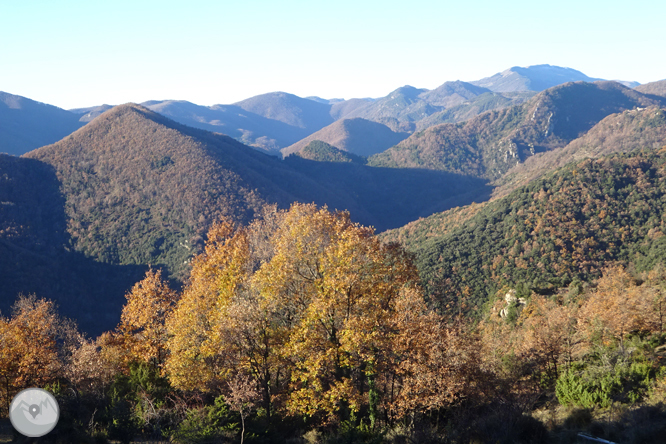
{"x":490,"y":144}
{"x":133,"y":188}
{"x":274,"y":121}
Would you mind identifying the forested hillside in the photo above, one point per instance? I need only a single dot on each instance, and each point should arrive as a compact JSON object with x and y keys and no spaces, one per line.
{"x":557,"y":230}
{"x":357,"y":136}
{"x":36,"y":254}
{"x":618,"y":133}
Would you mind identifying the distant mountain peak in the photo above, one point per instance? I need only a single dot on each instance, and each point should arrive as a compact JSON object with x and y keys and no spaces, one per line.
{"x":531,"y":78}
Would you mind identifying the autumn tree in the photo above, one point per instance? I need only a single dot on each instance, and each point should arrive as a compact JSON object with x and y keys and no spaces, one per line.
{"x":29,"y":349}
{"x":309,"y":303}
{"x":142,"y":322}
{"x":549,"y":335}
{"x":617,"y":307}
{"x":200,"y":316}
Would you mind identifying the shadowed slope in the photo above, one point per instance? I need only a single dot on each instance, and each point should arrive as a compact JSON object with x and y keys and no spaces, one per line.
{"x":35,"y":255}
{"x":141,"y":188}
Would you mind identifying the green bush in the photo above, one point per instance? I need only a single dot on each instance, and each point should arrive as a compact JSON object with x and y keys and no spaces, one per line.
{"x":625,"y":383}
{"x":210,"y":424}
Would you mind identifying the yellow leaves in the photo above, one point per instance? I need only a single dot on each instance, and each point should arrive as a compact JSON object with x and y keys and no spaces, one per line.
{"x":217,"y":274}
{"x":142,"y":322}
{"x":28,"y":349}
{"x":308,"y":303}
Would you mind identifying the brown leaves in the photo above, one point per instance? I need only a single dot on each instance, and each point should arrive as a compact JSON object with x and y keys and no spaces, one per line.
{"x":619,"y":306}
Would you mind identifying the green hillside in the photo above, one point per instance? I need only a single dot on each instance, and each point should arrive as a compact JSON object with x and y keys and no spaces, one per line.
{"x":141,"y":189}
{"x":565,"y":227}
{"x":35,"y":253}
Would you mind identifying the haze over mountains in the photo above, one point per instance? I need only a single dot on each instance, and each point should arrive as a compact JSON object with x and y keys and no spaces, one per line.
{"x":135,"y":185}
{"x":26,"y":124}
{"x":358,"y":136}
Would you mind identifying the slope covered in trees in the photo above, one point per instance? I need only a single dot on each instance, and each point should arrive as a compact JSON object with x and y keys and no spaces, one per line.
{"x":323,"y":152}
{"x":490,"y":144}
{"x":407,"y":108}
{"x":655,"y":88}
{"x":35,"y":250}
{"x":556,"y":230}
{"x":618,"y":133}
{"x":139,"y":188}
{"x":303,"y":326}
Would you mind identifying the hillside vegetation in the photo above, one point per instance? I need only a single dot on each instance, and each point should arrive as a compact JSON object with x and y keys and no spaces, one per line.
{"x":138,"y":190}
{"x":655,"y":88}
{"x":141,"y":189}
{"x":554,"y":231}
{"x":407,"y":108}
{"x":36,"y":255}
{"x":323,"y":152}
{"x":618,"y":133}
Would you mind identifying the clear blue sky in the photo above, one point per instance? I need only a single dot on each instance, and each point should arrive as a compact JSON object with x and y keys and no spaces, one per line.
{"x":85,"y":53}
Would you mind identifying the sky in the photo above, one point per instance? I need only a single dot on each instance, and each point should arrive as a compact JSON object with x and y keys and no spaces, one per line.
{"x":85,"y":53}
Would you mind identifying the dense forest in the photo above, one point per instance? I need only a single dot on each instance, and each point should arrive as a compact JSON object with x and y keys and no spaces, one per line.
{"x":561,"y":229}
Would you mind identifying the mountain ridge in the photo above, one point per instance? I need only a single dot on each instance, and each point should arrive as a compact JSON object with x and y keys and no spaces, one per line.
{"x":26,"y":124}
{"x":490,"y":144}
